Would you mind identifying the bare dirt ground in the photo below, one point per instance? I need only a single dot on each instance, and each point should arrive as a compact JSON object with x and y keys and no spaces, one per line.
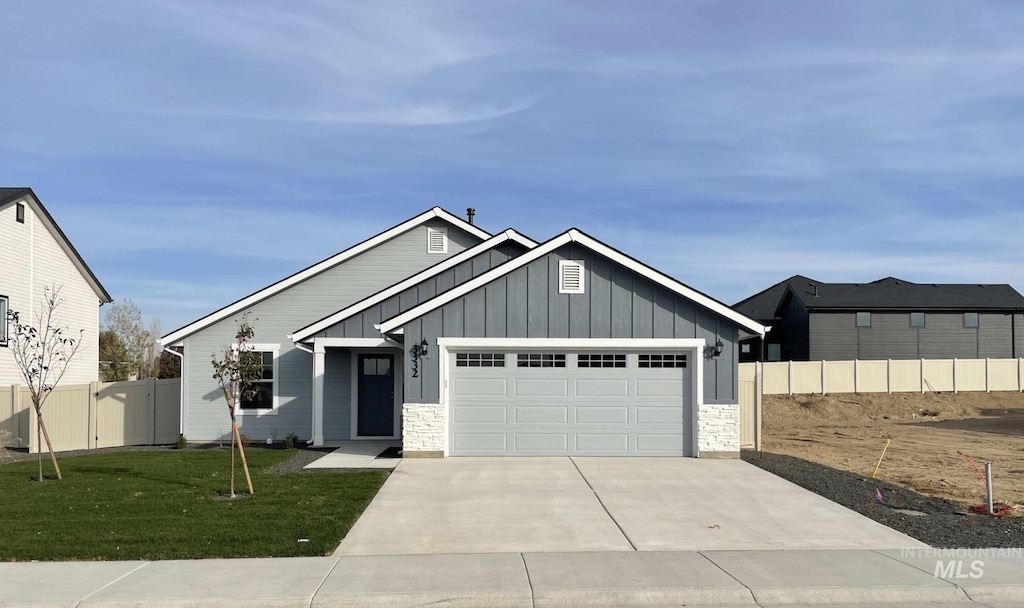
{"x":848,"y":432}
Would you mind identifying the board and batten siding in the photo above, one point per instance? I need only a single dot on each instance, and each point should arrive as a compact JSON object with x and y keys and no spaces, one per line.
{"x":836,"y":337}
{"x":282,"y":314}
{"x":362,"y":325}
{"x":617,"y":303}
{"x":31,"y":259}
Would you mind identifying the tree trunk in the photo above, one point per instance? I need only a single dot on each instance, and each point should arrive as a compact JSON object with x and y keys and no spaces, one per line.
{"x":234,"y":433}
{"x":245,"y":465}
{"x":49,"y":446}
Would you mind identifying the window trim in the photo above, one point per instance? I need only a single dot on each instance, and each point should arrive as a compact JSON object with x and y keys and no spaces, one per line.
{"x":431,"y":231}
{"x":5,"y":328}
{"x":924,"y":320}
{"x":19,"y":213}
{"x":263,"y":348}
{"x":562,"y":265}
{"x":857,"y":317}
{"x":977,"y":320}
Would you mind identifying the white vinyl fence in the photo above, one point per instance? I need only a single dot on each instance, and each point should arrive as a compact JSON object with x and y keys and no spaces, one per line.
{"x":95,"y":415}
{"x":876,"y":376}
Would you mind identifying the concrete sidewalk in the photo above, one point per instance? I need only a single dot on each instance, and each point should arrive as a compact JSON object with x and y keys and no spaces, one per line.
{"x":991,"y":577}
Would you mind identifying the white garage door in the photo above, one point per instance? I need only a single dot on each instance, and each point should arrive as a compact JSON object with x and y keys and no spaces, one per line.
{"x":545,"y":403}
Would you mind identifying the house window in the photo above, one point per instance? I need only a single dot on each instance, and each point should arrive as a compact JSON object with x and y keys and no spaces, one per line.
{"x":745,"y":349}
{"x":970,"y":319}
{"x":480,"y":360}
{"x":661,"y":361}
{"x":437,"y":240}
{"x":19,"y":213}
{"x":265,"y":397}
{"x":3,"y":320}
{"x":601,"y":360}
{"x":775,"y":352}
{"x":540,"y":360}
{"x":570,"y":276}
{"x":863,"y":319}
{"x":917,"y":319}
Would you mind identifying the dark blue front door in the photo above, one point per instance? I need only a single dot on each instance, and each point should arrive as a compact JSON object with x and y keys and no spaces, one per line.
{"x":376,"y":379}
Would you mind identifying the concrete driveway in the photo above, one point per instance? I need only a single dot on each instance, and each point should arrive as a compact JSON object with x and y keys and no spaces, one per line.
{"x":493,"y":505}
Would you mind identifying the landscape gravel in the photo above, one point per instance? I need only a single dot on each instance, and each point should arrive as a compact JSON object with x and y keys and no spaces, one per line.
{"x":945,"y":523}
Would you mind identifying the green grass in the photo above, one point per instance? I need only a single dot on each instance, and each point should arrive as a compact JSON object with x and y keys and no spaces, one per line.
{"x":169,"y":505}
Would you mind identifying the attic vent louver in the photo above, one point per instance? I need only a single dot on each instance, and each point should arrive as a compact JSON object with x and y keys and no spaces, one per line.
{"x":437,"y":240}
{"x":570,"y":276}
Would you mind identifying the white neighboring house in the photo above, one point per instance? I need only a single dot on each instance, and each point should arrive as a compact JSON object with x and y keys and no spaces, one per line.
{"x":35,"y":254}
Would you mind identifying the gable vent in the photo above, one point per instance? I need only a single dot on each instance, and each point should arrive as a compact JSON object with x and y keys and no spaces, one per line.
{"x":437,"y":240}
{"x":570,"y":276}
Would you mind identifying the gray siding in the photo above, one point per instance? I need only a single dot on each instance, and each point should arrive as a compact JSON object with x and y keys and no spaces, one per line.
{"x":362,"y":324}
{"x":287,"y":311}
{"x":337,"y":394}
{"x":618,"y":303}
{"x":835,"y":337}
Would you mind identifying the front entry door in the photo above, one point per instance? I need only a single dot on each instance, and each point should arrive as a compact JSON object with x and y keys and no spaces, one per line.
{"x":376,"y":413}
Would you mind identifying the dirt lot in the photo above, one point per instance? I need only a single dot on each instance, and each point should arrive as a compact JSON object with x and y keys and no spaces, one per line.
{"x":849,"y":431}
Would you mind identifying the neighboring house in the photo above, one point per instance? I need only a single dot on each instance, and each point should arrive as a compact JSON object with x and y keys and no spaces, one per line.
{"x":35,"y":254}
{"x":886,"y":319}
{"x":460,"y":342}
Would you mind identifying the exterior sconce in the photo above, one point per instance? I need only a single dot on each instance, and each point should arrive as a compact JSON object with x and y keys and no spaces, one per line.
{"x":417,"y":351}
{"x":713,"y":352}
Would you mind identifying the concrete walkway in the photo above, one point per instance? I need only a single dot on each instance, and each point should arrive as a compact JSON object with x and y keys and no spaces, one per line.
{"x":531,"y":505}
{"x":529,"y":580}
{"x":358,"y":455}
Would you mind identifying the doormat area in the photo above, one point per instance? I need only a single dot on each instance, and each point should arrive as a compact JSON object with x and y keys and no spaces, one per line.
{"x":392,"y":452}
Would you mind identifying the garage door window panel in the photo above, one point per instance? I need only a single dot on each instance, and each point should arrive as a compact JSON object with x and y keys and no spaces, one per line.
{"x":661,"y":361}
{"x":540,"y":360}
{"x":480,"y":360}
{"x":601,"y":360}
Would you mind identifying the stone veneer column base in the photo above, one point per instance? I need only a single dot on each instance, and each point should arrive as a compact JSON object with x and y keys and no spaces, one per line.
{"x":718,"y":430}
{"x":423,"y":430}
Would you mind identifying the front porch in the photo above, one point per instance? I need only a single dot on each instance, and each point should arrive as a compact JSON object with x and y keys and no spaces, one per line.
{"x":361,"y":454}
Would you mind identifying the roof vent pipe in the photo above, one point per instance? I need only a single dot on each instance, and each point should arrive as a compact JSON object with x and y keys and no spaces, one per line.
{"x":470,"y":214}
{"x":815,"y":287}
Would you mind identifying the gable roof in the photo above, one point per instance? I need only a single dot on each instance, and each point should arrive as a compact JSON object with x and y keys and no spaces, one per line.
{"x":573,"y":235}
{"x":896,"y":294}
{"x":350,"y":311}
{"x":762,"y":305}
{"x":12,"y":195}
{"x":183,"y":332}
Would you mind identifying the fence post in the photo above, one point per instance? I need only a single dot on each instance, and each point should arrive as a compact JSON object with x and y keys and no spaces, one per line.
{"x":789,"y":376}
{"x":921,"y":369}
{"x":888,"y":376}
{"x":856,"y":376}
{"x":94,"y":414}
{"x":824,"y":390}
{"x":988,"y":388}
{"x":151,"y":408}
{"x":954,"y":376}
{"x":758,"y":389}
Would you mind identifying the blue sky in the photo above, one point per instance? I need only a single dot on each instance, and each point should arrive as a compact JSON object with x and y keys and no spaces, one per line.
{"x":197,"y":151}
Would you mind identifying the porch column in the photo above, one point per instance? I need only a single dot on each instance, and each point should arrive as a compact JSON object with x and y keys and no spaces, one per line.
{"x":319,"y":353}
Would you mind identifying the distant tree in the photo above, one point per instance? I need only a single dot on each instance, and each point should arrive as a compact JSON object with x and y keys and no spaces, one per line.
{"x":42,"y":353}
{"x":124,"y":318}
{"x":114,"y":363}
{"x":236,"y":374}
{"x":168,"y":366}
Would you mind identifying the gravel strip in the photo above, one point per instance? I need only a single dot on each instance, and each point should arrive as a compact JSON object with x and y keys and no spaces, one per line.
{"x":945,"y":523}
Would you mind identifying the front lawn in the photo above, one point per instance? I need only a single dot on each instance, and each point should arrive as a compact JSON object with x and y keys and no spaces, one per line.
{"x":169,"y":505}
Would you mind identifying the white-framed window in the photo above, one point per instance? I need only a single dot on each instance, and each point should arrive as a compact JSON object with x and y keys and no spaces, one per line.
{"x":917,"y":319}
{"x":265,"y":400}
{"x":437,"y":240}
{"x":19,"y":213}
{"x":603,"y":360}
{"x":571,"y":275}
{"x":4,"y":307}
{"x":970,"y":319}
{"x":774,"y":352}
{"x":863,"y":319}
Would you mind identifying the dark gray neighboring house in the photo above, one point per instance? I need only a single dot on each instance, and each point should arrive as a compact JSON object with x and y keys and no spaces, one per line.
{"x":886,"y":319}
{"x":458,"y":342}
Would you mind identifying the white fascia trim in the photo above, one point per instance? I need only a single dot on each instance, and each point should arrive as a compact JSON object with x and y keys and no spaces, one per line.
{"x":319,"y":344}
{"x":436,"y":269}
{"x":172,"y":339}
{"x":573,"y":343}
{"x":573,"y":235}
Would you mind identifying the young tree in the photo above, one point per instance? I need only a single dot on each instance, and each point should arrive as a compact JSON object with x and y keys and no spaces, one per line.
{"x":236,"y":374}
{"x":168,"y":366}
{"x":114,"y":364}
{"x":42,"y":353}
{"x":124,"y":318}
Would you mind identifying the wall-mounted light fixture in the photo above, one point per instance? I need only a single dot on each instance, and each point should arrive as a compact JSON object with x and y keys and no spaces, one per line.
{"x":417,"y":351}
{"x":713,"y":352}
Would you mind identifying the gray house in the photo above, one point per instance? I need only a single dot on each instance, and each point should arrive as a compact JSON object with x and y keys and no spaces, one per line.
{"x":886,"y":319}
{"x":459,"y":342}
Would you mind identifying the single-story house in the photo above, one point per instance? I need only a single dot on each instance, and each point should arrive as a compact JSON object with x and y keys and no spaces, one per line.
{"x":35,"y":254}
{"x":461,"y":342}
{"x":886,"y":319}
